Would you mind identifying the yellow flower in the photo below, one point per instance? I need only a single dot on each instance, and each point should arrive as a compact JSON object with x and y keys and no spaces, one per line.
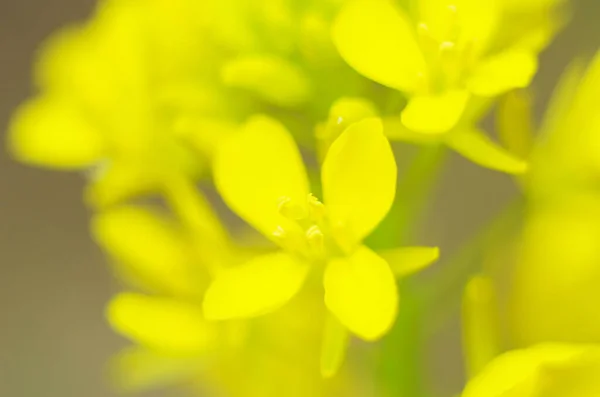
{"x":451,"y":59}
{"x":175,"y":344}
{"x":549,"y":370}
{"x":442,"y":57}
{"x":555,"y":279}
{"x":100,"y":107}
{"x":260,"y":175}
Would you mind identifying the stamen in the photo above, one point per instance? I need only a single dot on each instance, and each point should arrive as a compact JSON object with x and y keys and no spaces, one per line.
{"x":279,"y":233}
{"x":316,"y":239}
{"x":316,"y":208}
{"x":291,"y":210}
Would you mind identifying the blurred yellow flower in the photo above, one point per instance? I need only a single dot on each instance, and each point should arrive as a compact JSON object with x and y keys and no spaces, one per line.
{"x":549,"y":370}
{"x":260,"y":174}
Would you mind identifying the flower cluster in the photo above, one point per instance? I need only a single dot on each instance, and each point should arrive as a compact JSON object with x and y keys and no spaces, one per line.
{"x":270,"y":132}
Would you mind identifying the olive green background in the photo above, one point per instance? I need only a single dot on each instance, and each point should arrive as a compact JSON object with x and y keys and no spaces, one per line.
{"x":54,"y":282}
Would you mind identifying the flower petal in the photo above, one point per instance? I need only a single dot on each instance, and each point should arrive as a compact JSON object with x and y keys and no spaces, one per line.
{"x":477,"y":147}
{"x":377,"y":40}
{"x":258,"y":166}
{"x":257,"y":287}
{"x":519,"y":372}
{"x":51,"y":132}
{"x":138,"y":369}
{"x":163,"y":324}
{"x":361,"y":291}
{"x":408,"y":260}
{"x":273,"y":79}
{"x":359,"y":179}
{"x":333,"y":351}
{"x":435,"y":114}
{"x":503,"y":72}
{"x":127,"y":232}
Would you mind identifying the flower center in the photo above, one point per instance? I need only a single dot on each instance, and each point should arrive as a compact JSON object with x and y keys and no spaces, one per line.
{"x":307,"y":231}
{"x":448,"y":53}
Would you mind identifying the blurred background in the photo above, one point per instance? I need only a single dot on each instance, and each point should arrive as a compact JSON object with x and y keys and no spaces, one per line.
{"x":54,"y":283}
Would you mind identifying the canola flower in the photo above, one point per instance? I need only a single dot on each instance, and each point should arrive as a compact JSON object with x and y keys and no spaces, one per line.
{"x":449,"y":58}
{"x":150,"y":96}
{"x":260,"y":175}
{"x":175,"y":344}
{"x":556,"y":273}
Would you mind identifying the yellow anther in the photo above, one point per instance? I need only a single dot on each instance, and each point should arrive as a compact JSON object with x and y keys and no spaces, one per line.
{"x":316,"y":208}
{"x":279,"y":233}
{"x":315,"y":238}
{"x":447,"y":46}
{"x":291,"y":210}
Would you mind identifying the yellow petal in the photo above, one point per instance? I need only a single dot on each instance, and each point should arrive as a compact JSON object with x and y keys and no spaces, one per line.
{"x":477,"y":147}
{"x":126,"y":233}
{"x":344,"y":112}
{"x":52,"y":132}
{"x":335,"y":343}
{"x":137,"y":369}
{"x":361,"y":292}
{"x":536,"y":371}
{"x":480,"y":320}
{"x":166,"y":325}
{"x":273,"y":79}
{"x":435,"y":114}
{"x":261,"y":285}
{"x":256,"y":168}
{"x":377,"y":40}
{"x":204,"y":134}
{"x":503,"y":72}
{"x":115,"y":181}
{"x":408,"y":260}
{"x":359,"y":179}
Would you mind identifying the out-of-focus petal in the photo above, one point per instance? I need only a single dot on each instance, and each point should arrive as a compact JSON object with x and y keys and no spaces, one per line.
{"x":361,"y":292}
{"x":166,"y":325}
{"x":477,"y":147}
{"x":408,"y":260}
{"x":138,"y":369}
{"x":256,"y":168}
{"x":435,"y":114}
{"x":521,"y":373}
{"x":335,"y":343}
{"x":126,"y":233}
{"x":273,"y":79}
{"x":260,"y":286}
{"x":359,"y":179}
{"x":52,"y":132}
{"x":503,"y":72}
{"x":377,"y":40}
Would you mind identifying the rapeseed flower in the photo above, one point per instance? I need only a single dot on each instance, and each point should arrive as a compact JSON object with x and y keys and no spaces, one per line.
{"x":446,"y":57}
{"x":549,"y":370}
{"x":175,"y":343}
{"x":260,"y":175}
{"x":554,"y":282}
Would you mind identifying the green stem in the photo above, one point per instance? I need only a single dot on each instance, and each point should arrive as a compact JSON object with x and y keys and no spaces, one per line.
{"x":400,"y":369}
